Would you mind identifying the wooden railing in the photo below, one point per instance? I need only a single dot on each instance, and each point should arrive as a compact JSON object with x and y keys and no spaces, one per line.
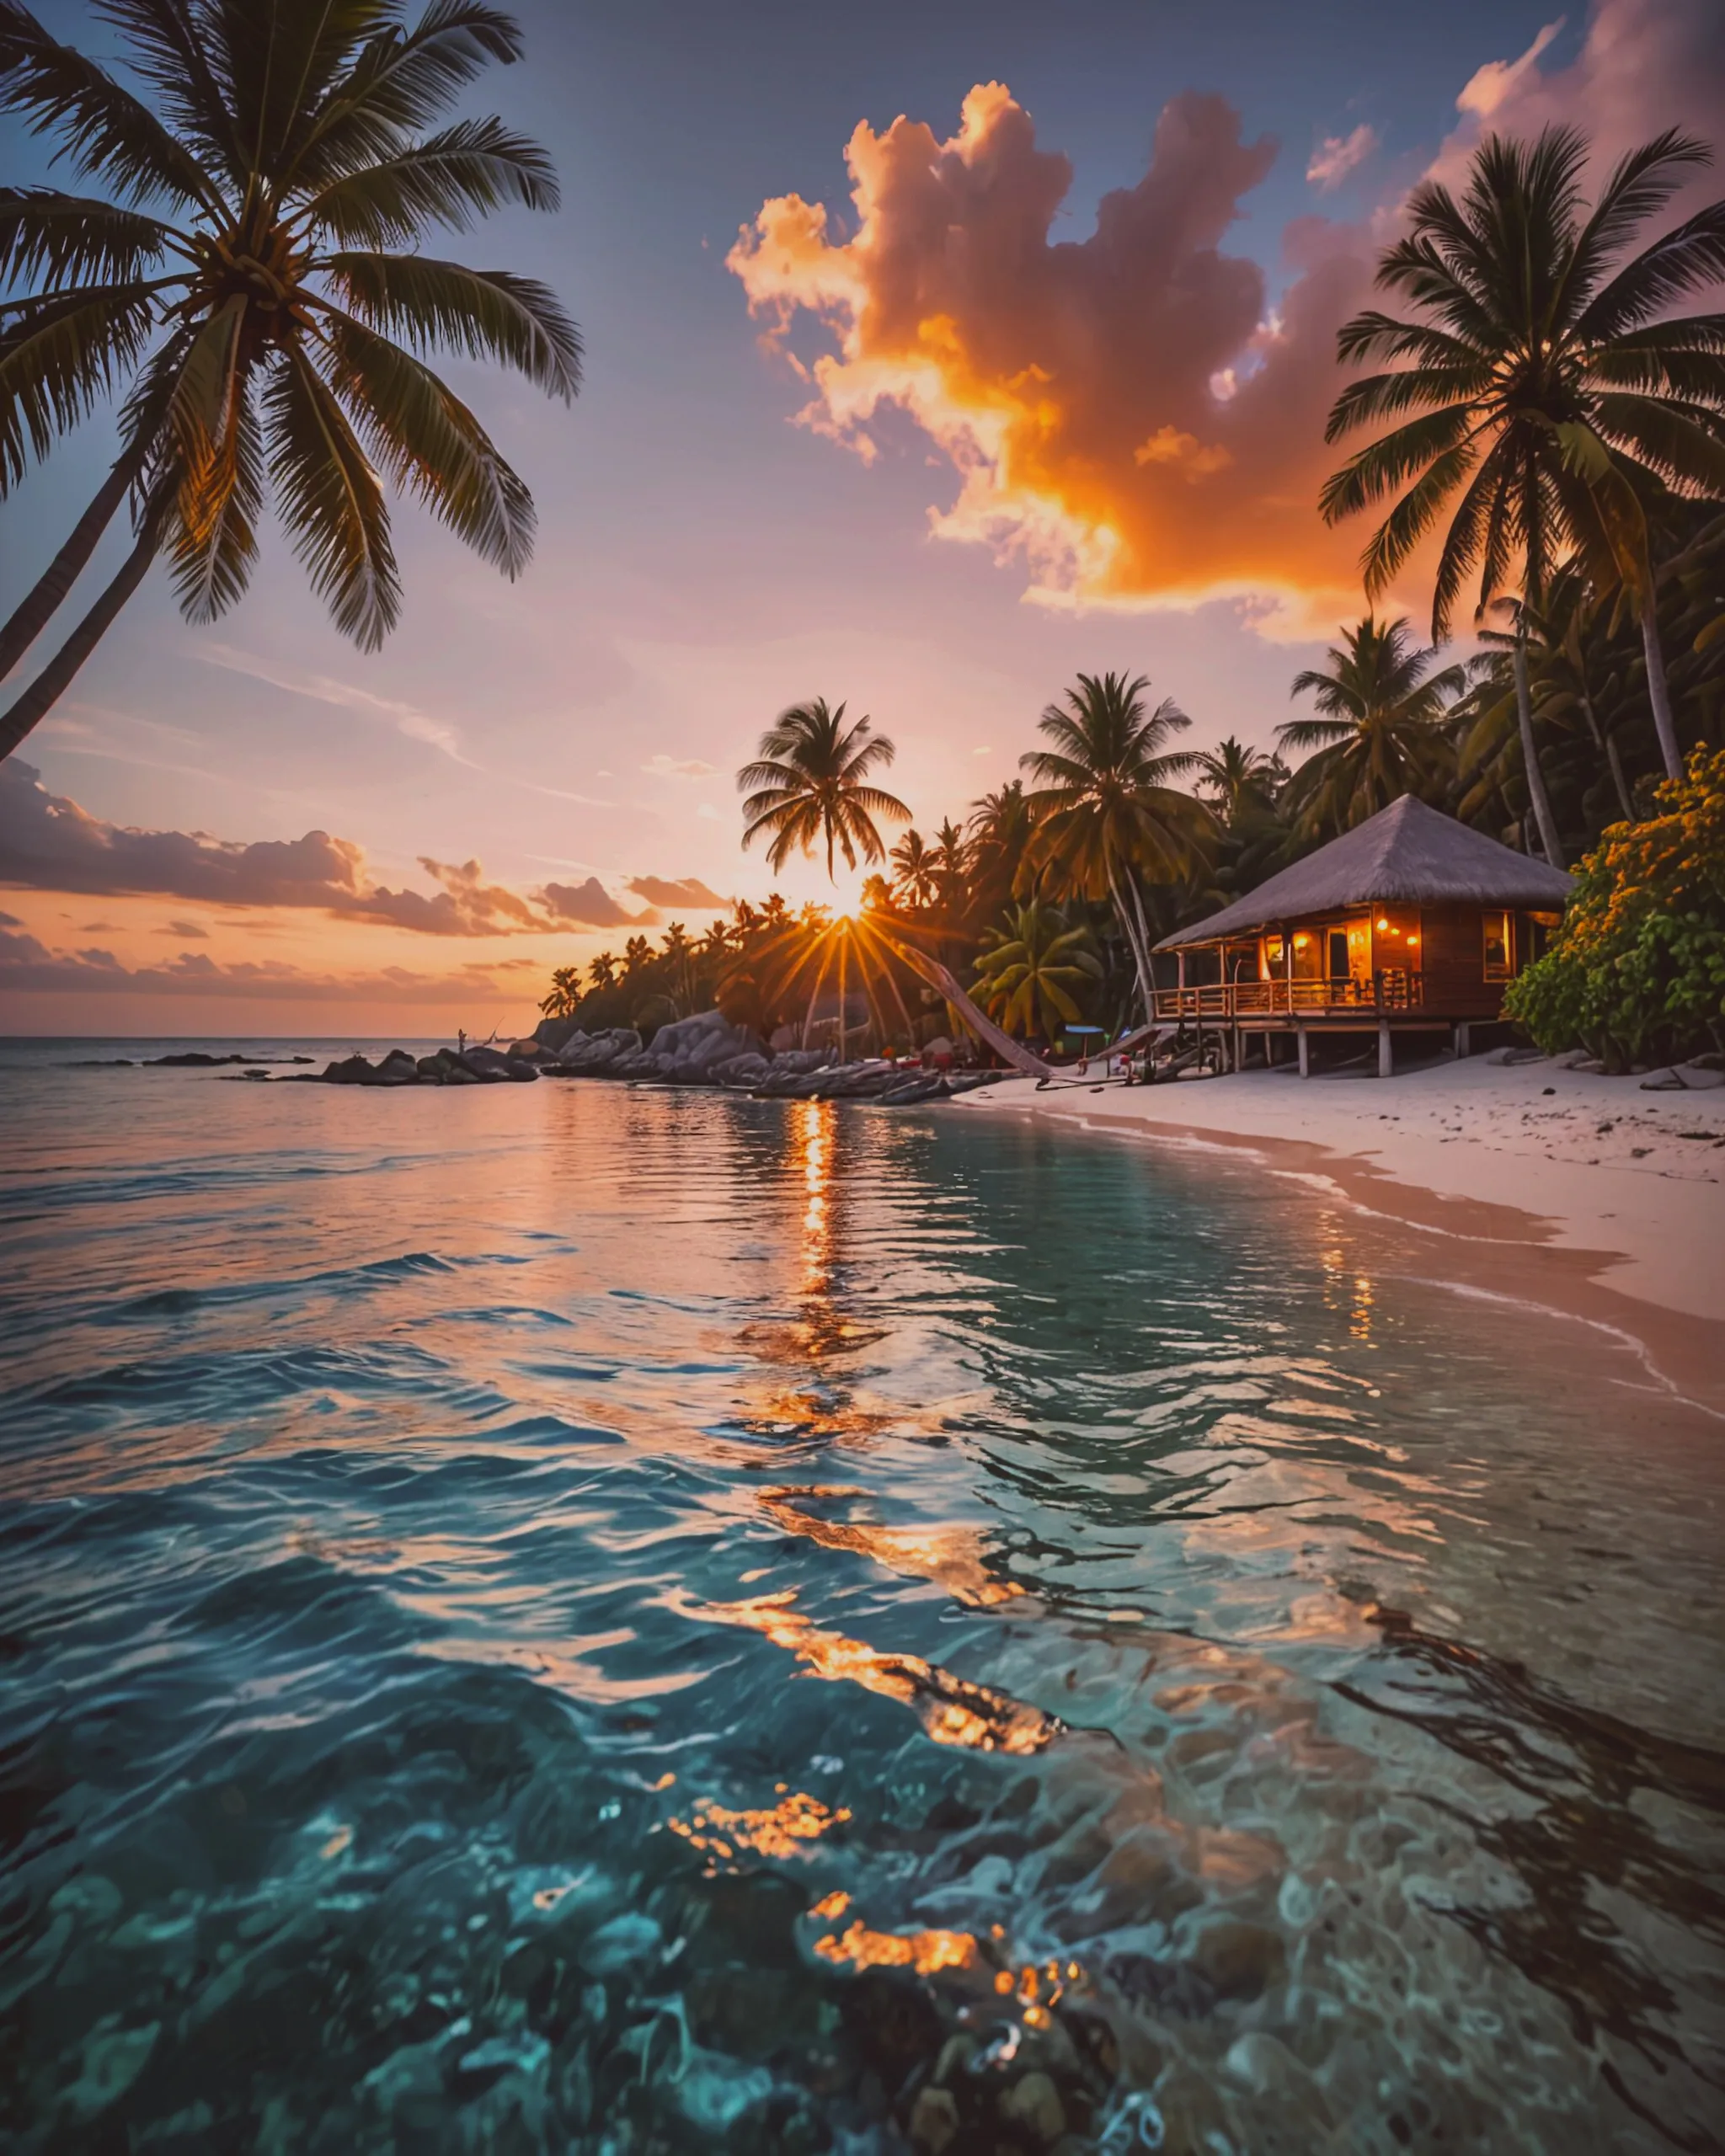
{"x":1226,"y":1001}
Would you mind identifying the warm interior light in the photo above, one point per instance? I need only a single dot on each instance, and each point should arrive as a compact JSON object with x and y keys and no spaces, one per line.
{"x":1300,"y":942}
{"x":1383,"y":924}
{"x":1413,"y":943}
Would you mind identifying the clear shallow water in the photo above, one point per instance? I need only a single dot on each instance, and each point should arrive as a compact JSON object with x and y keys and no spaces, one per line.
{"x":576,"y":1617}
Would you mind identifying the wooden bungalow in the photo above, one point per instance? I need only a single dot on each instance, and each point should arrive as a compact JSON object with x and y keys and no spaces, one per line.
{"x":1410,"y":924}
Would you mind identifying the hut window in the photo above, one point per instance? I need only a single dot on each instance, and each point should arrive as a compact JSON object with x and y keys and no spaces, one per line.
{"x":1275,"y":955}
{"x":1498,"y":946}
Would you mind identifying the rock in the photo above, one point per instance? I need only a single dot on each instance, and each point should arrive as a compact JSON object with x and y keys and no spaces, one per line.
{"x":1701,"y":1076}
{"x":527,"y":1051}
{"x":350,"y":1070}
{"x":744,"y":1071}
{"x":1240,"y":1961}
{"x":190,"y":1060}
{"x":1712,"y":1060}
{"x":929,"y":1085}
{"x":487,"y":1064}
{"x":934,"y":2120}
{"x":1034,"y":2104}
{"x":967,"y":1081}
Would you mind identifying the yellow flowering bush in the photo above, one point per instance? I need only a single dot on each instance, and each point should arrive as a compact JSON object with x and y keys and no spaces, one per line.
{"x":1637,"y":972}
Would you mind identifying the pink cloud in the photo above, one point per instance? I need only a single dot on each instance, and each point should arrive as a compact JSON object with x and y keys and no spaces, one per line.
{"x":1338,"y":155}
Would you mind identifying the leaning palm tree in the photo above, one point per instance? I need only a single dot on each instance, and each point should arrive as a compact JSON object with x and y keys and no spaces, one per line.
{"x":1104,"y":809}
{"x":1378,"y":734}
{"x":249,"y":282}
{"x":1034,"y":968}
{"x":811,"y":783}
{"x":1549,"y":393}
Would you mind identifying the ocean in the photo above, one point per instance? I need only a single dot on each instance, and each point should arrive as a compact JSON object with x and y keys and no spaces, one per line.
{"x":592,"y":1617}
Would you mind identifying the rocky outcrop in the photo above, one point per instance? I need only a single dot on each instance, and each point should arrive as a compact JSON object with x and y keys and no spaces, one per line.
{"x":708,"y":1049}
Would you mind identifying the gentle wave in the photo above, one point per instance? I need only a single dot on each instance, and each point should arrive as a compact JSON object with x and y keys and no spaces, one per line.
{"x":612,"y":1610}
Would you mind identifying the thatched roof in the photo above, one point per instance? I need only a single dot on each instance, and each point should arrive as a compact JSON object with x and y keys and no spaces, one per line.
{"x":1407,"y":855}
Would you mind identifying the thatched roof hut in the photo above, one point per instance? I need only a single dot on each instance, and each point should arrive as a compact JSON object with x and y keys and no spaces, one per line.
{"x":1407,"y":854}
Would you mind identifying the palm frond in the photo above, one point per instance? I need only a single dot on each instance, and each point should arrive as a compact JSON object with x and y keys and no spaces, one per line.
{"x":397,"y":84}
{"x":418,"y":431}
{"x":74,"y":239}
{"x":103,"y":128}
{"x":1689,"y":258}
{"x":491,"y":314}
{"x":1642,"y":183}
{"x":59,"y":356}
{"x":331,"y":502}
{"x":454,"y":178}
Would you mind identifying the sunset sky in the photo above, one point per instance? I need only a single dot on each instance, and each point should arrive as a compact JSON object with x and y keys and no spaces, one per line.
{"x":935,"y":352}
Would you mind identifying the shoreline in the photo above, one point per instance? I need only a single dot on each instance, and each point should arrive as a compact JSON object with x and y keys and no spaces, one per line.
{"x":1577,"y":1195}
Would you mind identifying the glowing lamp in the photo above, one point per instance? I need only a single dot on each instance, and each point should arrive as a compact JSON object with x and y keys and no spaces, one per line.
{"x":1413,"y":943}
{"x":1300,"y":942}
{"x":1383,"y":924}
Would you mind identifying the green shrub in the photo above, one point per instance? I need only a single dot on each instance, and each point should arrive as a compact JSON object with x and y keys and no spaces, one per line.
{"x":1637,"y":972}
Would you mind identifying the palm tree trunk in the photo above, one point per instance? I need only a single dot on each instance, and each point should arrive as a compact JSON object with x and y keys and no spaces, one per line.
{"x":844,"y":952}
{"x":1140,"y":959}
{"x":55,"y":677}
{"x":1659,"y":691}
{"x":1548,"y":841}
{"x":39,"y":604}
{"x":1608,"y":746}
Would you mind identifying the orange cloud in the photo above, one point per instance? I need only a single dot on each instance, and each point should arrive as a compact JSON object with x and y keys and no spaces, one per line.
{"x":1127,"y":417}
{"x":1123,"y":416}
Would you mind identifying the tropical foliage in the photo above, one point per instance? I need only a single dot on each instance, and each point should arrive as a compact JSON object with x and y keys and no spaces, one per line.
{"x":1378,"y":734}
{"x":1104,"y":813}
{"x":812,"y":785}
{"x":1554,"y":403}
{"x":1637,"y":972}
{"x":1034,"y":969}
{"x":249,"y":276}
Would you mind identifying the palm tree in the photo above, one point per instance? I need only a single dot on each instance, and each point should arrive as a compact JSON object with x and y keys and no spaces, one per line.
{"x":601,"y":971}
{"x":949,"y":863}
{"x":1379,"y":734}
{"x":1032,"y":969}
{"x":1244,"y":782}
{"x":811,"y":783}
{"x":1549,"y":397}
{"x":913,"y":870}
{"x":251,"y":280}
{"x":1103,"y":809}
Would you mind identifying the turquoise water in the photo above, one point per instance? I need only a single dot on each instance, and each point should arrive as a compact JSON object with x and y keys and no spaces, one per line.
{"x":575,"y":1617}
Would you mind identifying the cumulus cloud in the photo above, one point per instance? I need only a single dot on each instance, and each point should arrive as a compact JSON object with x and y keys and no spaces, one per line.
{"x":1074,"y":385}
{"x":1338,"y":155}
{"x":663,"y":767}
{"x":667,"y":891}
{"x":48,"y":842}
{"x":1126,"y":417}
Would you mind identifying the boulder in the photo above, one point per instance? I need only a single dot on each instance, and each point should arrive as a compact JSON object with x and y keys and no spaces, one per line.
{"x":487,"y":1064}
{"x":554,"y":1035}
{"x":744,"y":1071}
{"x":926,"y":1085}
{"x":967,"y":1081}
{"x":350,"y":1070}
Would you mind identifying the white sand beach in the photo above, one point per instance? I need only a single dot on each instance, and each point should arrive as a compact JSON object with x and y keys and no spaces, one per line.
{"x":1584,"y":1194}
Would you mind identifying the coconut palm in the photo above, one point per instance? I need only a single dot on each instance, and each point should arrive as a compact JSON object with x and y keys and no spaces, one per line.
{"x":1379,"y":734}
{"x":1103,"y":809}
{"x":913,"y":870}
{"x":249,"y":281}
{"x":1243,"y":781}
{"x":1034,"y":968}
{"x":1550,"y":396}
{"x":812,"y":783}
{"x":949,"y":864}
